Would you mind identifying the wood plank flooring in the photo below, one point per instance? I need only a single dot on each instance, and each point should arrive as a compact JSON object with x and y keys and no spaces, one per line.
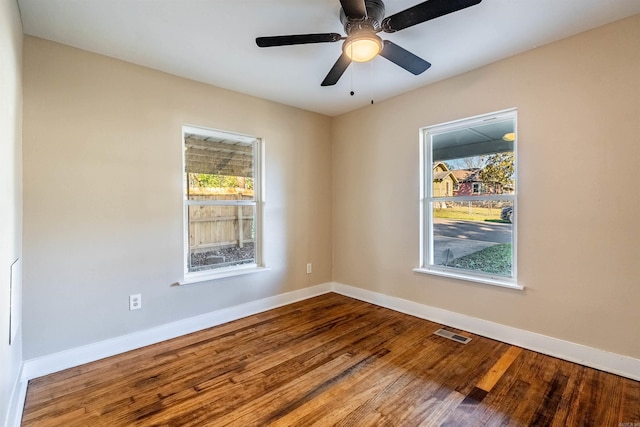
{"x":331,"y":360}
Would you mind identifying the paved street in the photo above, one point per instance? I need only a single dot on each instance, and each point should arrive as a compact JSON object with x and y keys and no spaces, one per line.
{"x":466,"y":237}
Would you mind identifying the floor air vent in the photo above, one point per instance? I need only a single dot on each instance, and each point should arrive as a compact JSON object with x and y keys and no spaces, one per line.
{"x":452,"y":336}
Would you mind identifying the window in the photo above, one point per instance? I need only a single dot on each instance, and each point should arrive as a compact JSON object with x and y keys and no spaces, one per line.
{"x":470,"y":234}
{"x":222,"y":204}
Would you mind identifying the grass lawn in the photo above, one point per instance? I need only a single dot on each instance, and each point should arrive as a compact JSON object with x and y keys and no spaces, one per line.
{"x":494,"y":259}
{"x":473,"y":214}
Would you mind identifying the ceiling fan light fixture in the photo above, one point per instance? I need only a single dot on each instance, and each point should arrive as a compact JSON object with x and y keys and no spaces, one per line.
{"x":362,"y":48}
{"x":362,"y":21}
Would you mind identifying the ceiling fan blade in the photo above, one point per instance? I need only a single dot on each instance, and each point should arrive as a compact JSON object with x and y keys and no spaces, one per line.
{"x":336,"y":71}
{"x":297,"y":39}
{"x":403,"y":58}
{"x":354,"y":9}
{"x":422,"y":12}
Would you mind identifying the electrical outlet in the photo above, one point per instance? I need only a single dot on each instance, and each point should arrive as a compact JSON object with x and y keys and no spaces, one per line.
{"x":309,"y":268}
{"x":135,"y":302}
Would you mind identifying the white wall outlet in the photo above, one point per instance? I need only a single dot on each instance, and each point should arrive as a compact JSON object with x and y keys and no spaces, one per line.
{"x":309,"y":268}
{"x":135,"y":302}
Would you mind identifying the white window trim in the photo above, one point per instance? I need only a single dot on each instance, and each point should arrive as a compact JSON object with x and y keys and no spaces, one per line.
{"x":426,"y":213}
{"x":232,"y":271}
{"x":477,"y":277}
{"x":222,"y":273}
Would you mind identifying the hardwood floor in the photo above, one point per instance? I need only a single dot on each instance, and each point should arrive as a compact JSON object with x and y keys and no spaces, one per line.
{"x":331,"y":360}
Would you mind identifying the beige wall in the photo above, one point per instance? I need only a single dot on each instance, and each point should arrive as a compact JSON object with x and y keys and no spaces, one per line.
{"x":10,"y":188}
{"x":103,"y":196}
{"x":578,"y":243}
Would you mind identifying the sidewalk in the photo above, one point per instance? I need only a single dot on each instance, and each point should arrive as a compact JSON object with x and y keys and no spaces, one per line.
{"x":459,"y":248}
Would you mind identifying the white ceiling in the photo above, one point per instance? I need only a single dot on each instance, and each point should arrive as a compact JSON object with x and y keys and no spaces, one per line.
{"x":213,"y":41}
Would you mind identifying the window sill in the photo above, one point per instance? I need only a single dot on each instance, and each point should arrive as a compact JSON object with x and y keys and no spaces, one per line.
{"x":489,"y":280}
{"x":208,"y":276}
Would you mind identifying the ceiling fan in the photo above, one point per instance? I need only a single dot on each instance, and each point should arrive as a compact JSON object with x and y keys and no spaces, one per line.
{"x":362,"y":20}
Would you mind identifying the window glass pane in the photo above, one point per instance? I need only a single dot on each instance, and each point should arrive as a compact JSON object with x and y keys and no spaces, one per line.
{"x":221,"y":236}
{"x":472,"y":235}
{"x":215,"y":165}
{"x":475,"y":161}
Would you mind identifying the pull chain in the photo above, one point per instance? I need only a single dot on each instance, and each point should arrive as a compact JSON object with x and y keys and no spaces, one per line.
{"x":371,"y":82}
{"x":351,"y":74}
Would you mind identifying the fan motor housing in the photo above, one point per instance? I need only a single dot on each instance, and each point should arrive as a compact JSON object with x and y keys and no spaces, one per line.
{"x":372,"y":22}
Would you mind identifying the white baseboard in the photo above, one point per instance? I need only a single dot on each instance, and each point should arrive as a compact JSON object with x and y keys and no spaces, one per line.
{"x":588,"y":356}
{"x":55,"y":362}
{"x":16,"y":401}
{"x":595,"y":358}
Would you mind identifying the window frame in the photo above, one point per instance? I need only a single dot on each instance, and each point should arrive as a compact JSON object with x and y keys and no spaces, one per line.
{"x":427,"y":199}
{"x":259,"y":200}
